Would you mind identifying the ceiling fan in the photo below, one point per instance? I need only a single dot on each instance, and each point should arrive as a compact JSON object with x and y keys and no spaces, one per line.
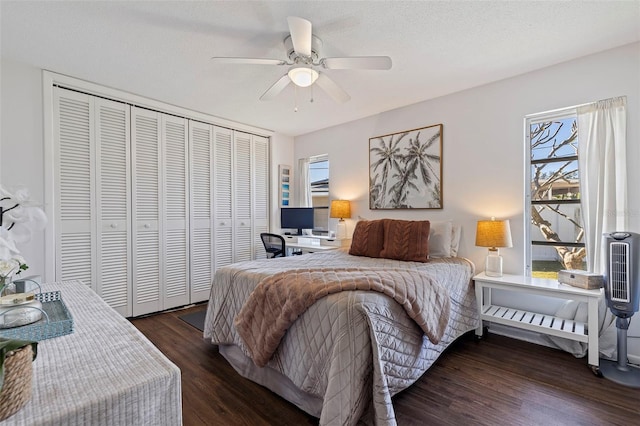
{"x":303,"y":60}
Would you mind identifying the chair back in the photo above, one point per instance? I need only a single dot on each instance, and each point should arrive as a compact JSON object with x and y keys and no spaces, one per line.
{"x":273,"y":244}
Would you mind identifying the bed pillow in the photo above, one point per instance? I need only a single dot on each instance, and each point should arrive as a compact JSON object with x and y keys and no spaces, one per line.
{"x":456,"y":231}
{"x":440,"y":234}
{"x":368,"y":238}
{"x":406,"y":240}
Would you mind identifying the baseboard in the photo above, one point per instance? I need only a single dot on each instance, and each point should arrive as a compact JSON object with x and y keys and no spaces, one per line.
{"x":537,"y":338}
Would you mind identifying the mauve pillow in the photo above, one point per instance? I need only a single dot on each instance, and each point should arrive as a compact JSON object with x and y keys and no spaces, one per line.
{"x":406,"y":240}
{"x":368,"y":238}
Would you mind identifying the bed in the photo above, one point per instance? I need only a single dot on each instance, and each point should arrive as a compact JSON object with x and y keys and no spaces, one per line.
{"x":344,"y":357}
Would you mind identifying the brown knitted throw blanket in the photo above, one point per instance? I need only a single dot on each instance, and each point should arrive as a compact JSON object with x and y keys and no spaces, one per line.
{"x":278,"y":300}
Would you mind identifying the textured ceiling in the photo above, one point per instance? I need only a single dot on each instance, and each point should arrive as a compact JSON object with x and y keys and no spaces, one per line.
{"x":162,"y":50}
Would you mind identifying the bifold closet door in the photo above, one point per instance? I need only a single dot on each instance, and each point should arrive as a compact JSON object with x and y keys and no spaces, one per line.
{"x":260,"y":171}
{"x":160,"y":211}
{"x":175,"y":241}
{"x":243,"y":236}
{"x":149,"y":205}
{"x":222,"y":199}
{"x":92,"y":222}
{"x":201,"y":177}
{"x":113,"y":201}
{"x":241,"y":198}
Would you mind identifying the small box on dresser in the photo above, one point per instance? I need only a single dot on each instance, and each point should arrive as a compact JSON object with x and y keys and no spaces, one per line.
{"x":580,"y":279}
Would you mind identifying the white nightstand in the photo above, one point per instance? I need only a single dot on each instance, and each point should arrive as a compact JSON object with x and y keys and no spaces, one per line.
{"x":541,"y":323}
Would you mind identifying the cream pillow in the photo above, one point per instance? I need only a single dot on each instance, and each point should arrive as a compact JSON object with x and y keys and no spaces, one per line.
{"x":456,"y":231}
{"x":440,"y":238}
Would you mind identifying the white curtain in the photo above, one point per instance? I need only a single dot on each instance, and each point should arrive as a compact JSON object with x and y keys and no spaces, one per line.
{"x":602,"y":156}
{"x":304,"y":186}
{"x":603,"y":194}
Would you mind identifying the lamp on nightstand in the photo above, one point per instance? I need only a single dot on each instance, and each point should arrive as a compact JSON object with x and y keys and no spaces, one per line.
{"x":340,"y":209}
{"x":493,"y":234}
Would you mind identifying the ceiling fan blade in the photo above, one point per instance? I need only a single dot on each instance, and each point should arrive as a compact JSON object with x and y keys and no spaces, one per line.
{"x":300,"y":30}
{"x":276,"y":88}
{"x":252,"y":61}
{"x":332,"y":88}
{"x":358,"y":62}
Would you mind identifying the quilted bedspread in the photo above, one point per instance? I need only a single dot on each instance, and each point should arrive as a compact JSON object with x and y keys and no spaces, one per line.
{"x":280,"y":299}
{"x":353,"y":350}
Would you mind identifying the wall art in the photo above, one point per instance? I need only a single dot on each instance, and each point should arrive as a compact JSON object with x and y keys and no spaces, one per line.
{"x":405,"y":169}
{"x":286,"y":185}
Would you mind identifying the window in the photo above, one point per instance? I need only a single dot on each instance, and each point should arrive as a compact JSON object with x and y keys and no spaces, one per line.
{"x":319,"y":178}
{"x":555,"y":232}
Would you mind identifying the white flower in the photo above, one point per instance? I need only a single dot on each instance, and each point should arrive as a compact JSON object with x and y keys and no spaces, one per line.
{"x":9,"y":267}
{"x":18,"y":219}
{"x":7,"y":245}
{"x":18,"y":216}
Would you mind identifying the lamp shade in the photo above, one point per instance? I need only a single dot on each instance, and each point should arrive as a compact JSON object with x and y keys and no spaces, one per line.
{"x":303,"y":76}
{"x":493,"y":233}
{"x":340,"y":209}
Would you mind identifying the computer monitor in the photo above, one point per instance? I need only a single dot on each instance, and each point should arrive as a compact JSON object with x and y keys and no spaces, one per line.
{"x":298,"y":218}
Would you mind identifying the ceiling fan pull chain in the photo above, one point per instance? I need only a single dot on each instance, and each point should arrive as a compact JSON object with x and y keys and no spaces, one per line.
{"x":311,"y":91}
{"x":295,"y":98}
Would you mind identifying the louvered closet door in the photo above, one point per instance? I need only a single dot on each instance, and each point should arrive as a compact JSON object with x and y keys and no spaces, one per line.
{"x":261,"y":193}
{"x":146,"y":162}
{"x":175,"y":217}
{"x":201,"y":162}
{"x":113,"y":196}
{"x":243,"y":233}
{"x":74,"y":157}
{"x":223,"y":212}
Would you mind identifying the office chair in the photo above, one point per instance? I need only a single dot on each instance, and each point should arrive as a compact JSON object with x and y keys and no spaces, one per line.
{"x":273,"y":245}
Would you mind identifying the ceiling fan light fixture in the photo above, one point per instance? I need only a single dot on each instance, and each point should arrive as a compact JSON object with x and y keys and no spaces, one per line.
{"x":303,"y":76}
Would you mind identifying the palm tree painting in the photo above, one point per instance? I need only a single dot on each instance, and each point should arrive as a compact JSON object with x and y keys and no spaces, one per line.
{"x":405,"y":169}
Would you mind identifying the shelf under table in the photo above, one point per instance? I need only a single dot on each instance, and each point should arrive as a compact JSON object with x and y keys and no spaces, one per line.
{"x":547,"y":324}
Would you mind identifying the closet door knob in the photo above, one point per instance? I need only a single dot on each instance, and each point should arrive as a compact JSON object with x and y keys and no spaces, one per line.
{"x":114,"y":225}
{"x":147,"y":226}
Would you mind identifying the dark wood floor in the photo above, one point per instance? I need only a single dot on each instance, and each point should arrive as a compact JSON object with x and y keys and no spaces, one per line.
{"x":497,"y":381}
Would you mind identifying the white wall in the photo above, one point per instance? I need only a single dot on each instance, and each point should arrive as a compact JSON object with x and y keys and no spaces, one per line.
{"x":281,"y":153}
{"x":21,"y":139}
{"x":484,"y":147}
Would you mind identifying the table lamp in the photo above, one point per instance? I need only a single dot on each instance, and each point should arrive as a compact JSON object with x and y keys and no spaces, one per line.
{"x":339,"y":210}
{"x":493,"y":234}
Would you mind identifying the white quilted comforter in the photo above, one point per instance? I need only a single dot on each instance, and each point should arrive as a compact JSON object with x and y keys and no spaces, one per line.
{"x":351,"y":351}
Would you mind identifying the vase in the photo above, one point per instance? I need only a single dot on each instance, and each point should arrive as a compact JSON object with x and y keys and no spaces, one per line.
{"x":16,"y":390}
{"x":16,"y":313}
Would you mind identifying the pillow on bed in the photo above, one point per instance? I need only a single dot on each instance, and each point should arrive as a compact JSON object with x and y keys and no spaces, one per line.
{"x":440,"y":238}
{"x":456,"y":231}
{"x":368,"y":238}
{"x":406,"y":240}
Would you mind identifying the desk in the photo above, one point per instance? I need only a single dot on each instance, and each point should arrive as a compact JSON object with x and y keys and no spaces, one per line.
{"x":105,"y":373}
{"x":306,"y":248}
{"x":314,"y":243}
{"x":541,"y":323}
